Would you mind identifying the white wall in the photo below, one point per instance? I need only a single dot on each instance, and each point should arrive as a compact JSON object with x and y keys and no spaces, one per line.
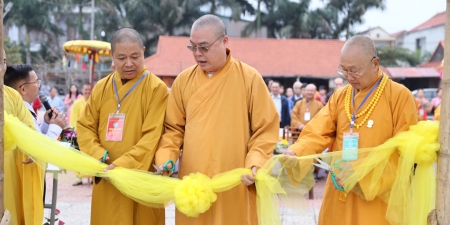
{"x":372,"y":34}
{"x":432,"y":38}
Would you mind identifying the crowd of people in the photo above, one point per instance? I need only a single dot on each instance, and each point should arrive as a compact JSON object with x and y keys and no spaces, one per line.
{"x":301,"y":102}
{"x":218,"y":116}
{"x":428,"y":107}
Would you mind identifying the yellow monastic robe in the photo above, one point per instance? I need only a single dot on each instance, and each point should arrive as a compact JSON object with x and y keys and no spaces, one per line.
{"x":77,"y":109}
{"x":144,"y":108}
{"x":24,"y":183}
{"x":395,"y":111}
{"x":221,"y":123}
{"x":298,"y":112}
{"x":437,"y":113}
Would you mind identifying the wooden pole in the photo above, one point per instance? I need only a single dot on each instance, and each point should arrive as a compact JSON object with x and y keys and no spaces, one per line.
{"x":2,"y":121}
{"x":443,"y":175}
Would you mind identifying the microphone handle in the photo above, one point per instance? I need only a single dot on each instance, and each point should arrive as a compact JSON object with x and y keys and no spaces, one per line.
{"x":47,"y":107}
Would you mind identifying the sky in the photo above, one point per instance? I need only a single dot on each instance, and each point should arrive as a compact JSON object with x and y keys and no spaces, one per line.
{"x":398,"y":15}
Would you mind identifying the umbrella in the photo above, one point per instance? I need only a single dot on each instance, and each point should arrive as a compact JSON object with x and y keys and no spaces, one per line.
{"x":93,"y":48}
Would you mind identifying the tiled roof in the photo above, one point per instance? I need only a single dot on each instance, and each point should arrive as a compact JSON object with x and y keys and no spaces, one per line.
{"x":399,"y":33}
{"x":412,"y":72}
{"x":436,"y":20}
{"x":436,"y":65}
{"x":271,"y":57}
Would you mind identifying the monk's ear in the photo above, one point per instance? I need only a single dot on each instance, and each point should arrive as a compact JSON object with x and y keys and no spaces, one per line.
{"x":376,"y":62}
{"x":225,"y":40}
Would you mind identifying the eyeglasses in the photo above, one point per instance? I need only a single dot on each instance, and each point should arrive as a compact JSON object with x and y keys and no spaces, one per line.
{"x":203,"y":49}
{"x":346,"y":73}
{"x":37,"y":82}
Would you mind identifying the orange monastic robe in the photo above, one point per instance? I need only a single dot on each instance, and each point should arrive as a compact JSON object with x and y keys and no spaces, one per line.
{"x":395,"y":111}
{"x":437,"y":113}
{"x":24,"y":183}
{"x":144,"y":108}
{"x":221,"y":123}
{"x":301,"y":107}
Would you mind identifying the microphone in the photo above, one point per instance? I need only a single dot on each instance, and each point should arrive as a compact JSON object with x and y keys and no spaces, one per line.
{"x":47,"y":106}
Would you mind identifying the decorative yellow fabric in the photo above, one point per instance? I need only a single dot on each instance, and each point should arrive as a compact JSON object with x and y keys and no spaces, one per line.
{"x":409,"y":200}
{"x":24,"y":183}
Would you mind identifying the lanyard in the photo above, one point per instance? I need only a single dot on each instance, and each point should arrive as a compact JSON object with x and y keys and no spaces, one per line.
{"x":129,"y":91}
{"x":352,"y":123}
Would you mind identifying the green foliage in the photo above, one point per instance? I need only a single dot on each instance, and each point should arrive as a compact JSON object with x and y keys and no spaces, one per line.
{"x":13,"y":54}
{"x":152,"y":18}
{"x":397,"y":56}
{"x":293,"y":19}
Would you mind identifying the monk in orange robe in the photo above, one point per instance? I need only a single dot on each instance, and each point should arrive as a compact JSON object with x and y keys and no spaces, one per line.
{"x":124,"y":115}
{"x":394,"y":111}
{"x":305,"y":109}
{"x":24,"y":178}
{"x":437,"y":113}
{"x":221,"y":115}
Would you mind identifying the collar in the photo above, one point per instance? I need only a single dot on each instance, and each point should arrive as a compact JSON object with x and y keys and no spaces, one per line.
{"x":28,"y":105}
{"x":279,"y":96}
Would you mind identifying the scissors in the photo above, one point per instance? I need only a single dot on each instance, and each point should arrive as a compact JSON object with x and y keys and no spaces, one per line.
{"x":160,"y":171}
{"x":325,"y":166}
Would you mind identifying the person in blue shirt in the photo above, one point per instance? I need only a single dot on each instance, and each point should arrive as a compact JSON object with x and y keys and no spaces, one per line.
{"x":55,"y":100}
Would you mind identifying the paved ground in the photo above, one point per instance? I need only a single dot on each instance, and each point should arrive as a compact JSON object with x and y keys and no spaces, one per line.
{"x":74,"y":204}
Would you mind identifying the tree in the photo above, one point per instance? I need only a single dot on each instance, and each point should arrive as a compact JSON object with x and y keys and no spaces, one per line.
{"x":283,"y":19}
{"x":324,"y":23}
{"x":35,"y":17}
{"x":237,"y":7}
{"x":12,"y":52}
{"x":398,"y":56}
{"x":353,"y":11}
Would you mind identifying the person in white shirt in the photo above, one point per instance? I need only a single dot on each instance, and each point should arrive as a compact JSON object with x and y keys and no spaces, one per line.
{"x":297,"y":96}
{"x":55,"y":100}
{"x":24,"y":80}
{"x":281,"y":104}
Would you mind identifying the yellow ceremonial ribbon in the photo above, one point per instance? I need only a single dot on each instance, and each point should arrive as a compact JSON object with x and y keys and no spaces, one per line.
{"x":411,"y":198}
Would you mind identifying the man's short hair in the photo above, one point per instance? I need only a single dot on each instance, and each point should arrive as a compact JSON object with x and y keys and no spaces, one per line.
{"x":277,"y":82}
{"x":15,"y":74}
{"x":321,"y":87}
{"x":303,"y":86}
{"x":125,"y":35}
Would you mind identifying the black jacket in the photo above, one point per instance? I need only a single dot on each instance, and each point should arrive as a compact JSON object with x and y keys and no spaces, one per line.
{"x":285,"y":119}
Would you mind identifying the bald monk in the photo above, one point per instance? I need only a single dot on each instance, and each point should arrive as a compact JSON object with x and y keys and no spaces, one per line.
{"x":338,"y":83}
{"x":394,"y":112}
{"x":24,"y":179}
{"x":124,"y":115}
{"x":221,"y":115}
{"x":305,"y":109}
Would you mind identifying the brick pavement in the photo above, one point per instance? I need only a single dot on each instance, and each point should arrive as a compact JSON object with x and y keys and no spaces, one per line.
{"x":74,"y":204}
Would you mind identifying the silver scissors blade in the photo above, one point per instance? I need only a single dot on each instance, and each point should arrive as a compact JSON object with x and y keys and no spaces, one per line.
{"x":322,"y":164}
{"x":158,"y":170}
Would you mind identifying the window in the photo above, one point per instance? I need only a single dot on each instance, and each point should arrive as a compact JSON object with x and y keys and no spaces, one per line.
{"x":420,"y":43}
{"x":378,"y":35}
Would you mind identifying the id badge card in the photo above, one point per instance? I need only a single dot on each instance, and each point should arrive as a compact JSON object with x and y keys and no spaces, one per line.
{"x":307,"y":116}
{"x":114,"y":129}
{"x":350,"y":144}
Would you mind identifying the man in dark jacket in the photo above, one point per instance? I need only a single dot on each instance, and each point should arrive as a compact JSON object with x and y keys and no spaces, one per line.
{"x":281,"y":103}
